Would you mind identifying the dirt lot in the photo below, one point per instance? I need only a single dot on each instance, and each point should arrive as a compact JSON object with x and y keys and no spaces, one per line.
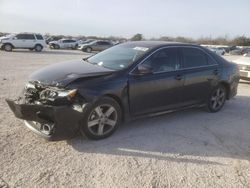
{"x":185,"y":149}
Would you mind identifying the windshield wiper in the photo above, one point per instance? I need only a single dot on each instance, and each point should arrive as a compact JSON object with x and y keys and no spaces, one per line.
{"x":85,"y":59}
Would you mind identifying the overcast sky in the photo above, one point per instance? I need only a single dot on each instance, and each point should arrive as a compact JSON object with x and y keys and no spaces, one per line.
{"x":152,"y":18}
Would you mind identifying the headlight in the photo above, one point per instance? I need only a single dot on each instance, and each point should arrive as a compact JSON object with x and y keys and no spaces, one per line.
{"x":53,"y":94}
{"x":69,"y":94}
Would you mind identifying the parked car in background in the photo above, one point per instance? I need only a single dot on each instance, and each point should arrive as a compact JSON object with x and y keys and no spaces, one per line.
{"x":86,"y":41}
{"x":63,"y":44}
{"x":240,"y":51}
{"x":93,"y":96}
{"x":219,"y":51}
{"x":95,"y":46}
{"x":244,"y":66}
{"x":54,"y":38}
{"x":236,"y":52}
{"x":245,"y":51}
{"x":31,"y":41}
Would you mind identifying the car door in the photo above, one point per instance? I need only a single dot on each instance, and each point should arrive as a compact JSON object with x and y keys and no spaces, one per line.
{"x":71,"y":44}
{"x":105,"y":45}
{"x":24,"y":41}
{"x":97,"y":46}
{"x":160,"y":90}
{"x":65,"y":44}
{"x":30,"y":41}
{"x":18,"y":40}
{"x":201,"y":73}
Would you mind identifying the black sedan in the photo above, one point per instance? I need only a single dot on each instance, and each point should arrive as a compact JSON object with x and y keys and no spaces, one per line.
{"x":133,"y":79}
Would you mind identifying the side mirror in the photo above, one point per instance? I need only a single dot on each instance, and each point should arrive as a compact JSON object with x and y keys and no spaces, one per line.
{"x":143,"y":69}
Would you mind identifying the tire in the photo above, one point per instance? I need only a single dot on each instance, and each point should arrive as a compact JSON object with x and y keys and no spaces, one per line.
{"x":8,"y":47}
{"x":101,"y":119}
{"x":216,"y":99}
{"x":88,"y":50}
{"x":38,"y":48}
{"x":56,"y":46}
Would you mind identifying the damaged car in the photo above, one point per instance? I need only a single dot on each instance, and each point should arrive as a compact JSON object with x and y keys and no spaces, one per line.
{"x":95,"y":95}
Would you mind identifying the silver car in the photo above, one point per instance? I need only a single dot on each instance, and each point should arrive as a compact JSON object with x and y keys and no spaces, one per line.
{"x":95,"y":46}
{"x":244,"y":66}
{"x":63,"y":44}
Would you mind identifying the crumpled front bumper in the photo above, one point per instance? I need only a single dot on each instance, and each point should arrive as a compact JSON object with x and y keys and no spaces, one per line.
{"x":63,"y":120}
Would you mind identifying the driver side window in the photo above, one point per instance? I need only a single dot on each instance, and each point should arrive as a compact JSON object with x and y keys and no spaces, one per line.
{"x":164,"y":60}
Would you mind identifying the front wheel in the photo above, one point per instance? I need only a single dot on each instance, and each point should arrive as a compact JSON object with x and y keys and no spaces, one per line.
{"x":217,"y":99}
{"x":88,"y":50}
{"x":101,"y":119}
{"x":8,"y":47}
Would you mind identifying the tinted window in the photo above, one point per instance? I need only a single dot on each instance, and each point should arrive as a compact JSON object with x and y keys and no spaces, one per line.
{"x":211,"y":61}
{"x":103,"y":43}
{"x":164,"y":60}
{"x":193,"y":57}
{"x":39,"y":37}
{"x":25,"y":36}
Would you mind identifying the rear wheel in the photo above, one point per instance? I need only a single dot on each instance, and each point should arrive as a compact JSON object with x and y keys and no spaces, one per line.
{"x":8,"y":47}
{"x":217,"y":99}
{"x":38,"y":48}
{"x":102,"y":119}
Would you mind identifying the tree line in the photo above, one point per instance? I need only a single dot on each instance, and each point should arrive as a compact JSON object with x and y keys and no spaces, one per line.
{"x":236,"y":41}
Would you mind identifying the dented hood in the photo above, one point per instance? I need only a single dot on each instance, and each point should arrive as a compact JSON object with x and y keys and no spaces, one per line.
{"x":61,"y":74}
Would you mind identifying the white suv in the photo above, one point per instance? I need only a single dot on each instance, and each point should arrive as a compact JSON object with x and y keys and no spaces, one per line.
{"x":29,"y":41}
{"x":63,"y":44}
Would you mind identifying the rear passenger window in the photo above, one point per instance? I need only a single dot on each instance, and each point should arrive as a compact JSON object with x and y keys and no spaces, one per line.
{"x":39,"y":37}
{"x":30,"y":37}
{"x":193,"y":57}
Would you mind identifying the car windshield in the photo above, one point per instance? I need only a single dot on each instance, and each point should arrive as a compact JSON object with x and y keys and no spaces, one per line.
{"x":118,"y":57}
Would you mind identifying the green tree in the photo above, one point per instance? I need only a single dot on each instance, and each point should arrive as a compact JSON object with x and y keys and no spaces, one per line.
{"x":137,"y":37}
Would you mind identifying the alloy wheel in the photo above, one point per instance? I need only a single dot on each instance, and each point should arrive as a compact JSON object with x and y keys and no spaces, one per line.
{"x":88,"y":50}
{"x":218,"y":98}
{"x":102,"y":120}
{"x":8,"y":47}
{"x":38,"y":48}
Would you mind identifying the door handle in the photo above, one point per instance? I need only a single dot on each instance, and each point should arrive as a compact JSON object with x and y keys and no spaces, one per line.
{"x":178,"y":77}
{"x":215,"y":72}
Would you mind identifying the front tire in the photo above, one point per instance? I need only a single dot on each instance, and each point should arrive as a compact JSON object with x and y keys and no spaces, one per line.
{"x":101,"y":119}
{"x":88,"y":50}
{"x":56,"y":46}
{"x":8,"y":47}
{"x":217,"y":99}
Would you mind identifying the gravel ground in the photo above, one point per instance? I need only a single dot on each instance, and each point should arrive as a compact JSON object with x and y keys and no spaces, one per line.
{"x":191,"y":148}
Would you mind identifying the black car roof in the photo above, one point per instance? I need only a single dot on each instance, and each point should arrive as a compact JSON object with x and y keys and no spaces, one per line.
{"x":155,"y":44}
